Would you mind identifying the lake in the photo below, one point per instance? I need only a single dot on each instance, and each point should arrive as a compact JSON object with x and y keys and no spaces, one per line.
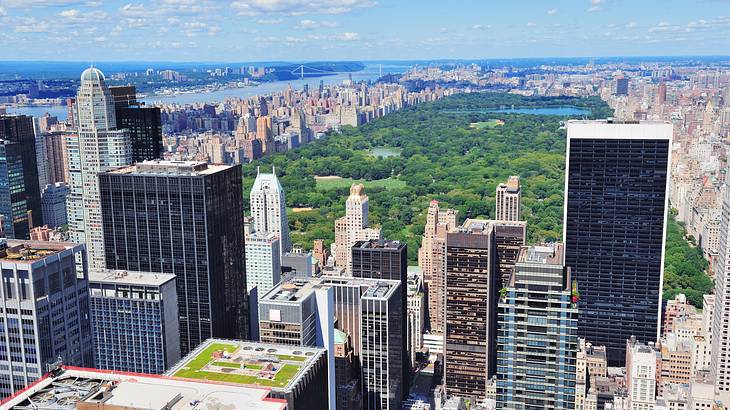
{"x":369,"y":73}
{"x":384,"y":152}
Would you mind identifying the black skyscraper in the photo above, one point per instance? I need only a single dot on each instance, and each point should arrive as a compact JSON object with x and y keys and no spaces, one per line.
{"x":615,"y":216}
{"x":383,"y":259}
{"x":18,"y":133}
{"x":183,"y":218}
{"x":144,"y":123}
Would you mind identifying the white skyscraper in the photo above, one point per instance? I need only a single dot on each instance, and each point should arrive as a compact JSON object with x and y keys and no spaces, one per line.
{"x":268,"y":209}
{"x":352,"y":227}
{"x":720,"y":362}
{"x":96,"y":146}
{"x":641,"y":365}
{"x":263,"y":265}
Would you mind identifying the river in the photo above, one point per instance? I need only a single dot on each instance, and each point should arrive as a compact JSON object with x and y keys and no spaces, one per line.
{"x":370,"y":72}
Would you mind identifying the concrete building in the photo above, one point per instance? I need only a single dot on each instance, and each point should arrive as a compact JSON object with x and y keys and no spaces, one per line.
{"x":432,"y":261}
{"x":641,"y":367}
{"x":509,"y":198}
{"x":55,"y":145}
{"x":185,"y":219}
{"x":352,"y":227}
{"x":537,"y":333}
{"x":617,"y":175}
{"x":53,"y":203}
{"x":301,"y":312}
{"x":46,"y":310}
{"x":268,"y":209}
{"x":97,"y":146}
{"x":263,"y":261}
{"x":416,"y":315}
{"x":134,"y":320}
{"x":294,"y":374}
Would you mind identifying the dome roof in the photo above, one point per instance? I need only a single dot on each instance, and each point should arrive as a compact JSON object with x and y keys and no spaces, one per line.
{"x":92,"y":74}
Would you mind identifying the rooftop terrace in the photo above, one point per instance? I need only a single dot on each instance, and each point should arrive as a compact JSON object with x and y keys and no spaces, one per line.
{"x":28,"y":251}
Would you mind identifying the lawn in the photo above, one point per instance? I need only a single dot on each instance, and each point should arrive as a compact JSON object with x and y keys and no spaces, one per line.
{"x":227,"y":364}
{"x":325,"y":183}
{"x":282,"y":378}
{"x":486,"y":124}
{"x":291,"y":358}
{"x":203,"y":358}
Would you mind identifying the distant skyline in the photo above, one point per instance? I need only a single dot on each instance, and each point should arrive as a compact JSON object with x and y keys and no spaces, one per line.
{"x":292,"y":30}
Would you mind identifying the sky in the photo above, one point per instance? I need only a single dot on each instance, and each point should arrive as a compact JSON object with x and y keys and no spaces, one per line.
{"x":309,"y":30}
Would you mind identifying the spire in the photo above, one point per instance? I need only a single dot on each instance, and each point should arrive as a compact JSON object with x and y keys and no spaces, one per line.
{"x":258,"y":171}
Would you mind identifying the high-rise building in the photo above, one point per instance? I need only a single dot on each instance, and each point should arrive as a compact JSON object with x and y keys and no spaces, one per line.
{"x":46,"y":314}
{"x":432,"y":261}
{"x":537,"y":333}
{"x":300,"y":312}
{"x":641,"y":367}
{"x":19,"y":173}
{"x":263,"y":264}
{"x":53,"y":202}
{"x":352,"y":227}
{"x":614,"y":228}
{"x":622,"y":85}
{"x":134,"y":320}
{"x":268,"y":209}
{"x":509,"y":238}
{"x":186,"y":219}
{"x":509,"y":196}
{"x":143,"y":123}
{"x":416,"y":315}
{"x":720,"y":358}
{"x":471,"y":316}
{"x":55,"y":145}
{"x":97,"y":146}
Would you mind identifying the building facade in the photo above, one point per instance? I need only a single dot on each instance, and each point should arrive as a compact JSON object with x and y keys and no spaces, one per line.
{"x":352,"y":227}
{"x":185,"y":219}
{"x":537,"y":333}
{"x":96,"y":146}
{"x":509,"y":198}
{"x":268,"y":209}
{"x":263,"y":261}
{"x":144,"y":124}
{"x":617,"y":177}
{"x":134,"y":320}
{"x":53,"y":202}
{"x":46,"y":310}
{"x":416,"y":316}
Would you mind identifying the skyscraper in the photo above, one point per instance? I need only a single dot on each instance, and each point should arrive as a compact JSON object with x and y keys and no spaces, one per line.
{"x":134,"y":319}
{"x":263,"y":261}
{"x":46,"y":315}
{"x":614,"y":228}
{"x":55,"y":145}
{"x":143,"y":123}
{"x":432,"y":261}
{"x":622,"y":85}
{"x":186,"y":219}
{"x":268,"y":209}
{"x":537,"y":333}
{"x":352,"y":227}
{"x":97,"y":146}
{"x":720,"y":357}
{"x":509,"y":196}
{"x":19,"y":173}
{"x":470,"y":321}
{"x":641,"y":377}
{"x":53,"y":202}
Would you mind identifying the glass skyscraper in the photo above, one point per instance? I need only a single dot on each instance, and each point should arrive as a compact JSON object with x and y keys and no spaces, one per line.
{"x":614,"y":228}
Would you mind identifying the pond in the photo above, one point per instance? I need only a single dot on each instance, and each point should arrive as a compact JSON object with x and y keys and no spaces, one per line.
{"x":384,"y":152}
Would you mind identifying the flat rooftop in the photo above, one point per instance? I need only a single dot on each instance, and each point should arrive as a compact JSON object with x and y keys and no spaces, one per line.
{"x":278,"y":367}
{"x":297,"y":288}
{"x":29,"y":251}
{"x":614,"y":129}
{"x":114,"y":276}
{"x":69,"y":387}
{"x":379,"y":244}
{"x":547,"y":254}
{"x":160,"y":167}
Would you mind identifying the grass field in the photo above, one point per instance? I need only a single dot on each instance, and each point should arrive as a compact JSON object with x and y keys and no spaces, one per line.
{"x":486,"y":124}
{"x":227,"y":364}
{"x":324,"y":183}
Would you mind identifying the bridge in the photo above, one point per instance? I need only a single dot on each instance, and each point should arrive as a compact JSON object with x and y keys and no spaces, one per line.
{"x":304,"y":70}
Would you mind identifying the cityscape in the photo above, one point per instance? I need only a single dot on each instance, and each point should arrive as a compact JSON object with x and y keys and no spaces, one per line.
{"x":360,"y":205}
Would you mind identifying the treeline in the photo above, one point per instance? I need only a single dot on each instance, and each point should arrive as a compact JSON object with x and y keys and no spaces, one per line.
{"x":442,"y":158}
{"x":684,"y":265}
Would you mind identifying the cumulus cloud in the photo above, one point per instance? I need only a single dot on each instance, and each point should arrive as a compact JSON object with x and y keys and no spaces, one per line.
{"x":32,"y":25}
{"x":297,"y":7}
{"x":552,"y":12}
{"x":313,"y":25}
{"x":270,"y":21}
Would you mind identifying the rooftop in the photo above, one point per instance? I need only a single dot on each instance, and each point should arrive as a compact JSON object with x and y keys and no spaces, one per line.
{"x":67,"y":387}
{"x":279,"y":367}
{"x":609,"y":128}
{"x":160,"y":167}
{"x":548,"y":254}
{"x":379,"y":244}
{"x":28,"y":251}
{"x":129,"y":277}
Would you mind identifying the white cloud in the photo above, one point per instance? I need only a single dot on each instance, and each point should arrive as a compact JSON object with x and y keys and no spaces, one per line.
{"x":348,"y":36}
{"x":631,"y":24}
{"x":298,"y":7}
{"x":32,"y":25}
{"x":531,"y":24}
{"x":552,"y":12}
{"x":100,"y":39}
{"x":46,"y":3}
{"x":313,"y":25}
{"x":3,"y":13}
{"x":270,"y":21}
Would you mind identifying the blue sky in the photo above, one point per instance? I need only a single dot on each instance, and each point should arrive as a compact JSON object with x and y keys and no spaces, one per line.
{"x":264,"y":30}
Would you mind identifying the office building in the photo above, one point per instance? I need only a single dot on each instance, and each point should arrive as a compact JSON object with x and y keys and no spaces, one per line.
{"x":55,"y":145}
{"x":143,"y":123}
{"x":352,"y":227}
{"x":641,"y":368}
{"x":622,"y":86}
{"x":416,"y":315}
{"x":79,"y":388}
{"x":509,"y":197}
{"x":509,"y":238}
{"x":432,"y":261}
{"x":268,"y":209}
{"x":46,"y":310}
{"x":537,"y":333}
{"x":134,"y":320}
{"x":300,"y":312}
{"x":294,"y":374}
{"x":186,"y":219}
{"x":53,"y":203}
{"x":471,"y":291}
{"x":97,"y":146}
{"x":617,"y":178}
{"x":720,"y":338}
{"x":263,"y":266}
{"x":21,"y":201}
